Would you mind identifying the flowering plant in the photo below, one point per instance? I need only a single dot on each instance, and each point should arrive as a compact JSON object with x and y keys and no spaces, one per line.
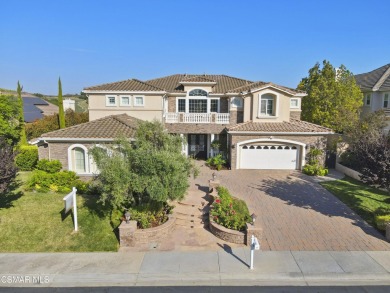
{"x":229,"y":212}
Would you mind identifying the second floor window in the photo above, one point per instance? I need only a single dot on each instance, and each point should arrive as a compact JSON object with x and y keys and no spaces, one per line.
{"x":386,"y":101}
{"x":110,"y":101}
{"x":267,"y":105}
{"x":125,"y":101}
{"x":181,"y":105}
{"x":139,"y":101}
{"x":214,"y":105}
{"x":197,"y":106}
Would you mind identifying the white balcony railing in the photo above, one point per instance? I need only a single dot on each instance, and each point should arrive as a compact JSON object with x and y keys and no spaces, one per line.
{"x":171,"y":117}
{"x":222,"y":118}
{"x":219,"y":118}
{"x":196,"y":117}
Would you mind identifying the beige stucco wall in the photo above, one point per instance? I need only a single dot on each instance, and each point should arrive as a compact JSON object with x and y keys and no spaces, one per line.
{"x":282,"y":104}
{"x":152,"y":109}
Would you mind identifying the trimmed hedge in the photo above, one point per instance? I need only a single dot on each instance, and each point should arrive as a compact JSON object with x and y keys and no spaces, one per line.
{"x":27,"y":157}
{"x":53,"y":166}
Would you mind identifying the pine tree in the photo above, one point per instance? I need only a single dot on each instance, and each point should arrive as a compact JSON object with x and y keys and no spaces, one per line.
{"x":61,"y":114}
{"x":23,"y":139}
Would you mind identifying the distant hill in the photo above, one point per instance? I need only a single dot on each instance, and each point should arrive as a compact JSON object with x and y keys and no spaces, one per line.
{"x":81,"y":100}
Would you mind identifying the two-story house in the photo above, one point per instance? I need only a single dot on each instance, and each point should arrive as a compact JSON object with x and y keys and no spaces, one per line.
{"x":257,"y":124}
{"x":375,"y":86}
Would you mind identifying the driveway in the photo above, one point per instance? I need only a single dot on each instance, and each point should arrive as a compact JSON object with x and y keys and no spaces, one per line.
{"x":295,"y":212}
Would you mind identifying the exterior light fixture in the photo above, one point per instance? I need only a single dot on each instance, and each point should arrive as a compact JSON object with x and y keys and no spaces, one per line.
{"x":233,"y":146}
{"x":127,"y":216}
{"x":254,"y":217}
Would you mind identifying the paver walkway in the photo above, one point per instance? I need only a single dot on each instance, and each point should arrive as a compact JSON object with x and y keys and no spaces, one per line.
{"x":296,"y":213}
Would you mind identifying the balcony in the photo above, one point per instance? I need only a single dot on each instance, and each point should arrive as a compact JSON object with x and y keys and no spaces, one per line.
{"x":218,"y":118}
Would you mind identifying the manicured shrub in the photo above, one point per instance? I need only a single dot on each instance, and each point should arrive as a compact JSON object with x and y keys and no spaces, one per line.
{"x":313,"y":167}
{"x":230,"y":212}
{"x":58,"y":182}
{"x":150,"y":215}
{"x":217,"y":162}
{"x":53,"y":166}
{"x":27,"y":157}
{"x":381,"y":221}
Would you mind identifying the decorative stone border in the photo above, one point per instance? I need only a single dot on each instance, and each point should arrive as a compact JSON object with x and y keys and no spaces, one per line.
{"x":226,"y":234}
{"x":130,"y":236}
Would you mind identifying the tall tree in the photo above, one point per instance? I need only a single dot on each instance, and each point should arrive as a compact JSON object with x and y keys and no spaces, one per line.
{"x":23,"y":139}
{"x":152,"y":169}
{"x":9,"y":119}
{"x":61,"y":114}
{"x":333,"y":99}
{"x":8,"y":168}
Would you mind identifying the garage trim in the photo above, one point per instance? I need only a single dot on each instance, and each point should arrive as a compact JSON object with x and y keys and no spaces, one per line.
{"x":302,"y":152}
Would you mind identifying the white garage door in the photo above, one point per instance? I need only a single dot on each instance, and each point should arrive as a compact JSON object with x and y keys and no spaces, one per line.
{"x":283,"y":157}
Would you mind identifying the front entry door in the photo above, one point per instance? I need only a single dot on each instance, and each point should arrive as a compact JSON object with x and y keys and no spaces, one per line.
{"x":197,"y":146}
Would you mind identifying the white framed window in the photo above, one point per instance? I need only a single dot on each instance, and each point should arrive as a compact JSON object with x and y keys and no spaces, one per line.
{"x":181,"y":105}
{"x":236,"y":102}
{"x":125,"y":101}
{"x":139,"y":101}
{"x":386,"y":100}
{"x":111,"y":101}
{"x":214,"y":105}
{"x":78,"y":159}
{"x":367,"y":100}
{"x":294,"y":103}
{"x":267,"y":105}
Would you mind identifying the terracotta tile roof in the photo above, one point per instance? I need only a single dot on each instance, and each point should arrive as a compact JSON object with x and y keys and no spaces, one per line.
{"x":293,"y":125}
{"x":125,"y":85}
{"x":376,"y":80}
{"x":172,"y":83}
{"x":109,"y":127}
{"x":197,"y":79}
{"x":260,"y":84}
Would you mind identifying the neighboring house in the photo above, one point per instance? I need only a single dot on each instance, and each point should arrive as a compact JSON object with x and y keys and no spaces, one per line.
{"x":256,"y":123}
{"x":375,"y":86}
{"x":35,"y":108}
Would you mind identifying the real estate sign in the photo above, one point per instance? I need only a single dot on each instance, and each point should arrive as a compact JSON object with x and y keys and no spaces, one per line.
{"x":70,"y":201}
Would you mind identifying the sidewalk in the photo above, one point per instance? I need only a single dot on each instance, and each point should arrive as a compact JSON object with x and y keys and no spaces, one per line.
{"x":217,"y":268}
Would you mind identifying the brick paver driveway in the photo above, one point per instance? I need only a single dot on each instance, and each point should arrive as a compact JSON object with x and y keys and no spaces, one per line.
{"x":296,"y":213}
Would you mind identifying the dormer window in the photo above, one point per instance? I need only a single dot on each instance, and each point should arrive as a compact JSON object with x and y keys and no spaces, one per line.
{"x":294,"y":103}
{"x":197,"y":93}
{"x":267,"y":105}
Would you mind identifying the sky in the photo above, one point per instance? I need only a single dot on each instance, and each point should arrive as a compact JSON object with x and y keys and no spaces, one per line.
{"x":89,"y":42}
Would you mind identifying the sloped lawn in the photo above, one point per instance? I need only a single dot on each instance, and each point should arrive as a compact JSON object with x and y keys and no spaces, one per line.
{"x":364,"y":200}
{"x":33,"y":222}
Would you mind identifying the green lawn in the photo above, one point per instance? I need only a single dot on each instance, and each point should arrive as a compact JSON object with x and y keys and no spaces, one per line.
{"x":364,"y":200}
{"x":33,"y":222}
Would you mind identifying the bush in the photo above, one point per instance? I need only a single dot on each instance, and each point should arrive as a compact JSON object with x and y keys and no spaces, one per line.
{"x":350,"y":160}
{"x":27,"y":157}
{"x":53,"y":166}
{"x":315,"y":170}
{"x":8,"y":168}
{"x":151,"y":215}
{"x":381,"y":221}
{"x":230,"y":212}
{"x":217,"y":162}
{"x":58,"y":182}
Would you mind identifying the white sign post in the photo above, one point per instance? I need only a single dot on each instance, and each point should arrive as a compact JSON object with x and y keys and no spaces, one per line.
{"x":255,"y":245}
{"x":70,"y":200}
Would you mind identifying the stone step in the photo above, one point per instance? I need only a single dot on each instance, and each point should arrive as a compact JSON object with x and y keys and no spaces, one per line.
{"x":188,"y":210}
{"x":190,"y":217}
{"x":197,"y":204}
{"x":195,"y":223}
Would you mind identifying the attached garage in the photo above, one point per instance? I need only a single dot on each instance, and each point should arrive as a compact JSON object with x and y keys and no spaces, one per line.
{"x":282,"y":157}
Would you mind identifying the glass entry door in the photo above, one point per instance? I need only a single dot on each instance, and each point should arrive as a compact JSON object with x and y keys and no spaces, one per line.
{"x":197,"y":145}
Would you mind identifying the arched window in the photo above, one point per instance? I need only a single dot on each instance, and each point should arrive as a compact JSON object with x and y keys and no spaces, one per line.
{"x":197,"y":93}
{"x":78,"y":159}
{"x":267,"y":105}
